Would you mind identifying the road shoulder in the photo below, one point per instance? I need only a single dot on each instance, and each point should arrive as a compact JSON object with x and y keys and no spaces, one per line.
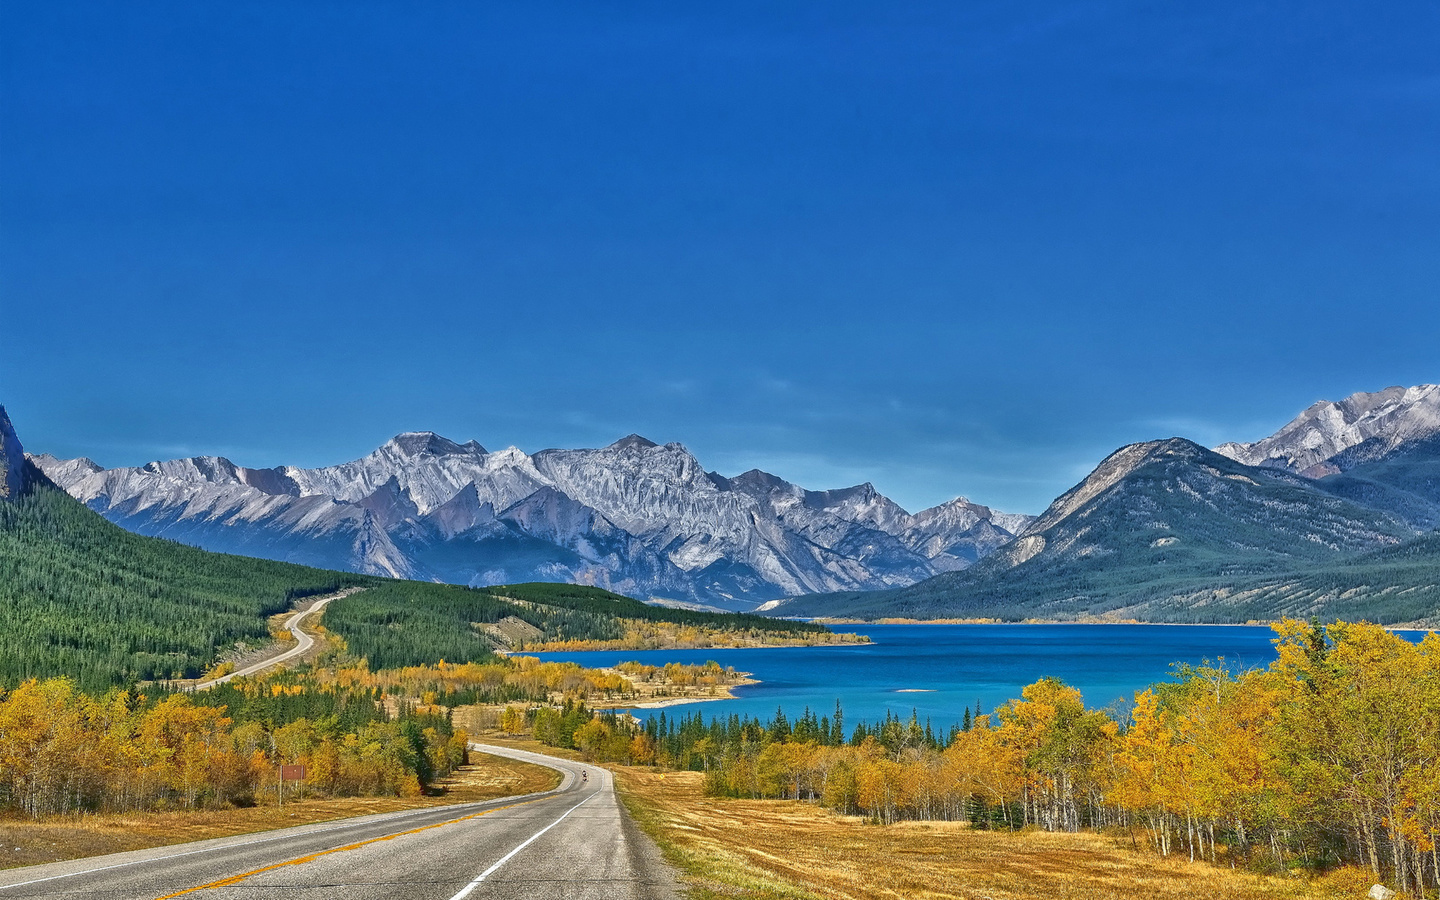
{"x":24,"y":843}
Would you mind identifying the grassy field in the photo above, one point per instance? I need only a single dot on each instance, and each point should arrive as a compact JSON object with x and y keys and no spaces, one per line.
{"x":28,"y":843}
{"x":782,"y":850}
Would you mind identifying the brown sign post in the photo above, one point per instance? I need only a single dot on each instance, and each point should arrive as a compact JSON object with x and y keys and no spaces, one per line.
{"x":287,"y":773}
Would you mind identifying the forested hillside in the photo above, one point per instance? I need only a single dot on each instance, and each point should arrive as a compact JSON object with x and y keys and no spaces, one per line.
{"x":1394,"y":586}
{"x":1168,"y":531}
{"x":85,"y":598}
{"x":409,"y":623}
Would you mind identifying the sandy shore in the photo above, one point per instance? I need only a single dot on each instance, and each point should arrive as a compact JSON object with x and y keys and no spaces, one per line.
{"x":673,"y":701}
{"x":897,"y":621}
{"x":722,"y":692}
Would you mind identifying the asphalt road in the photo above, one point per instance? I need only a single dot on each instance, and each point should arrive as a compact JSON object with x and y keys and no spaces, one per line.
{"x":573,"y":842}
{"x":304,"y":641}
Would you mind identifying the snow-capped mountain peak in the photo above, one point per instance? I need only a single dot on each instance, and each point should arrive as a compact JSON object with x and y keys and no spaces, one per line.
{"x":636,"y":515}
{"x":633,"y":442}
{"x":510,"y":456}
{"x":862,"y":503}
{"x":428,"y":443}
{"x":1329,"y":435}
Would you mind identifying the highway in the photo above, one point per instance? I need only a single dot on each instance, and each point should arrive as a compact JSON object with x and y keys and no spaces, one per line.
{"x":575,"y":842}
{"x":303,"y":642}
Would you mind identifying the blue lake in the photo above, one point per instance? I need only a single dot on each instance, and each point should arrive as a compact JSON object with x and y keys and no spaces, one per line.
{"x":951,"y":667}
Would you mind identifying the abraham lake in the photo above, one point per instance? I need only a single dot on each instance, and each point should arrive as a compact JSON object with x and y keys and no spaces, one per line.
{"x":939,"y":670}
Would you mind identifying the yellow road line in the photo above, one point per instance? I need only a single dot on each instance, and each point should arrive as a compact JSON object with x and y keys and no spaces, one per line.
{"x":236,"y":879}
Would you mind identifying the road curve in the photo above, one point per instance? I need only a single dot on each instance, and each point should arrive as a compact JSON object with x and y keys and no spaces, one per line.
{"x":575,"y":842}
{"x":292,"y":624}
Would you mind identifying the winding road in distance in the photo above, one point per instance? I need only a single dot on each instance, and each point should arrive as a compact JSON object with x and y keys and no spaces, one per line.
{"x":303,"y":641}
{"x":575,"y":842}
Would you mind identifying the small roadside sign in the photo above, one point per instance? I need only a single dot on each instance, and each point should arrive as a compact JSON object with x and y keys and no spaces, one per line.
{"x":292,"y":773}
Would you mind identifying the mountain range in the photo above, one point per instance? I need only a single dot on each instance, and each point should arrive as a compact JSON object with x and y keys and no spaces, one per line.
{"x":1380,"y":449}
{"x":87,"y":599}
{"x":636,"y":517}
{"x":1330,"y":516}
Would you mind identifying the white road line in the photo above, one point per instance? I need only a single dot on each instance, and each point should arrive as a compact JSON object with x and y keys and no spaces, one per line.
{"x":465,"y":892}
{"x":137,"y":862}
{"x":284,"y":837}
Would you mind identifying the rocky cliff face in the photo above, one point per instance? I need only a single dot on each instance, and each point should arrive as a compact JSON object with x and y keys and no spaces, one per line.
{"x":1331,"y":437}
{"x":636,"y":516}
{"x":1154,"y":526}
{"x":12,"y":460}
{"x":1161,"y":501}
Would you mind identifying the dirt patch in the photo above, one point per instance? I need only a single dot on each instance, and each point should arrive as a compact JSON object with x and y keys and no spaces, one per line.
{"x":511,"y":632}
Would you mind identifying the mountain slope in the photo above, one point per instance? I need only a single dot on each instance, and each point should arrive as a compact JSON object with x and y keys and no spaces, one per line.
{"x":1330,"y":437}
{"x":635,"y":516}
{"x":82,"y":597}
{"x":1404,"y":481}
{"x":1378,"y":449}
{"x":12,"y":460}
{"x":1155,"y":522}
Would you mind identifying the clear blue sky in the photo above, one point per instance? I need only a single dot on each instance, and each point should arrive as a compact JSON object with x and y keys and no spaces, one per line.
{"x":948,"y":248}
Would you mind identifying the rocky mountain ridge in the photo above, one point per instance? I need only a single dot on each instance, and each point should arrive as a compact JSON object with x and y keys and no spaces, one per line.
{"x":1174,"y":490}
{"x":1379,"y":449}
{"x":12,"y":460}
{"x":1155,"y":526}
{"x":1330,"y":515}
{"x":635,"y":516}
{"x":1331,"y":437}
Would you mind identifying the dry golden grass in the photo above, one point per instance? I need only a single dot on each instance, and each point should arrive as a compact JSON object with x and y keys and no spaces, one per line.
{"x":769,"y":849}
{"x":26,"y":843}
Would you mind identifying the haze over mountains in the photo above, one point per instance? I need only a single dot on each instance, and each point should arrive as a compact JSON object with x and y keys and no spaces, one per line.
{"x":636,"y":517}
{"x":1329,"y":516}
{"x":87,"y":599}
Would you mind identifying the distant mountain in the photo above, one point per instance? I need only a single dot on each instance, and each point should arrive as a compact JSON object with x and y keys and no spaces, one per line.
{"x":1329,"y":515}
{"x":82,"y":598}
{"x":1329,"y":437}
{"x":211,"y":503}
{"x":12,"y":459}
{"x":1379,"y":449}
{"x":1162,"y":531}
{"x":636,"y":517}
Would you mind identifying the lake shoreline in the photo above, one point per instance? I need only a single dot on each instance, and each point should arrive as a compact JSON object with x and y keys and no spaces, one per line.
{"x":904,"y":621}
{"x":720,"y":692}
{"x":938,"y":672}
{"x":1407,"y":626}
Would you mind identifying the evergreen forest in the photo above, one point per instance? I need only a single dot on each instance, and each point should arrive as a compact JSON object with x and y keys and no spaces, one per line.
{"x":86,"y":599}
{"x":1327,"y":757}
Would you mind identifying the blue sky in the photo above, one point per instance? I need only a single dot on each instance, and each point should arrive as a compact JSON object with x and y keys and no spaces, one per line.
{"x":952,"y":248}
